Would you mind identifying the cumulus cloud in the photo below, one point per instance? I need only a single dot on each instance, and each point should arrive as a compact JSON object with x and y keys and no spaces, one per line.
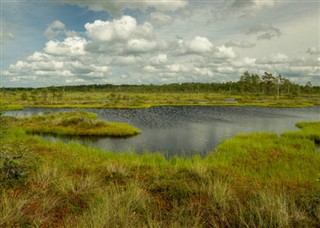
{"x":71,"y":46}
{"x":57,"y":29}
{"x":140,"y":46}
{"x":159,"y":59}
{"x":127,"y":51}
{"x":198,"y":45}
{"x":225,"y":53}
{"x":111,"y":30}
{"x":60,"y":63}
{"x":121,"y":37}
{"x":240,"y":44}
{"x":54,"y":29}
{"x":58,"y":70}
{"x":117,"y":7}
{"x":264,"y":31}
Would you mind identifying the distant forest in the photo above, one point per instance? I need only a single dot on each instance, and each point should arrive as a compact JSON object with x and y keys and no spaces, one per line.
{"x":267,"y":84}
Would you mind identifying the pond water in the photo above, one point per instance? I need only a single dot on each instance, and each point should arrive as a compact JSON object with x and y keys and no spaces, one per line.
{"x":187,"y":130}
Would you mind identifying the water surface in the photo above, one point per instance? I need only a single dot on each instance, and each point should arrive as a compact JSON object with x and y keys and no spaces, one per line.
{"x":188,"y":130}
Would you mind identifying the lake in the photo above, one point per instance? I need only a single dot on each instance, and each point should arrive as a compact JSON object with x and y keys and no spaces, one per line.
{"x":185,"y":131}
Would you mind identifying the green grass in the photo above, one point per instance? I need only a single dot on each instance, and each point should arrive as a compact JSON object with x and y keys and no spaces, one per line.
{"x":308,"y":130}
{"x":255,"y":180}
{"x":80,"y":123}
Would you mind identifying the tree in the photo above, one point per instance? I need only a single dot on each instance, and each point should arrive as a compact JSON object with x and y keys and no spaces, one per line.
{"x":268,"y":81}
{"x":255,"y":81}
{"x":245,"y":82}
{"x":286,"y":85}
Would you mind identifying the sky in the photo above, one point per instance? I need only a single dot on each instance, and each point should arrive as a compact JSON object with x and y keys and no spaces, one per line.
{"x":72,"y":42}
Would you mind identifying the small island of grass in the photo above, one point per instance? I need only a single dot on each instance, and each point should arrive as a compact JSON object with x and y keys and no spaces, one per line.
{"x":79,"y":123}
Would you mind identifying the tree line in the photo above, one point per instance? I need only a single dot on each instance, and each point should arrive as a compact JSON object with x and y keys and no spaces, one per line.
{"x":248,"y":83}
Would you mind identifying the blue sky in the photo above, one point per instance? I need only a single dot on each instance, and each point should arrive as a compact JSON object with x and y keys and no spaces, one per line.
{"x":70,"y":42}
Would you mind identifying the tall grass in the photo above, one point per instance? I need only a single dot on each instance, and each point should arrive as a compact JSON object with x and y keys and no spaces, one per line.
{"x":253,"y":180}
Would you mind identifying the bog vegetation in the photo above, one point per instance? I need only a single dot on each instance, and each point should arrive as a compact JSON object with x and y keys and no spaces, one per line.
{"x":251,"y":180}
{"x":255,"y":180}
{"x":80,"y":123}
{"x":251,"y":89}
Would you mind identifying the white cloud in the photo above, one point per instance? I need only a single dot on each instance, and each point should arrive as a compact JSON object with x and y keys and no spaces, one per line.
{"x":140,"y":45}
{"x":279,"y":58}
{"x":203,"y":71}
{"x":107,"y":31}
{"x":37,"y":57}
{"x":226,"y":70}
{"x":243,"y":62}
{"x":57,"y":29}
{"x":71,"y":46}
{"x":275,"y":58}
{"x":178,"y":67}
{"x":129,"y":50}
{"x":240,"y":44}
{"x":150,"y":69}
{"x":121,"y":37}
{"x":159,"y":59}
{"x":54,"y":29}
{"x":225,"y":53}
{"x":198,"y":45}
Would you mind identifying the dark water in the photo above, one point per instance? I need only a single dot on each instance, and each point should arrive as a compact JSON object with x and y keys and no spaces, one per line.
{"x":189,"y":130}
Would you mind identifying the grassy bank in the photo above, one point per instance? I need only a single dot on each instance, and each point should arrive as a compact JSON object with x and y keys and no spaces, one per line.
{"x":80,"y":123}
{"x":256,"y":180}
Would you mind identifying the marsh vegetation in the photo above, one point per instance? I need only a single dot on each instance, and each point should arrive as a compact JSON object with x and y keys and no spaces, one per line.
{"x":258,"y":179}
{"x":251,"y":90}
{"x":79,"y":123}
{"x":250,"y":180}
{"x":183,"y":131}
